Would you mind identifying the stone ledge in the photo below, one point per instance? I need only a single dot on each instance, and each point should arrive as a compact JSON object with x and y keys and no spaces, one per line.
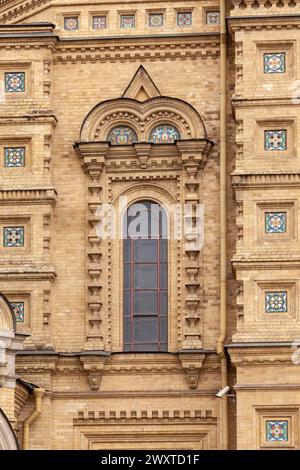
{"x":21,"y":196}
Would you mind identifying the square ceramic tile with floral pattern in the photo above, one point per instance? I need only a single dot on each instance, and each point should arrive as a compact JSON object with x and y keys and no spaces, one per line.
{"x":127,"y":21}
{"x":184,"y":18}
{"x":14,"y":82}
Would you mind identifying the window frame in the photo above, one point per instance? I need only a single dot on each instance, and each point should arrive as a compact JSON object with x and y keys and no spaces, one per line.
{"x":159,"y":318}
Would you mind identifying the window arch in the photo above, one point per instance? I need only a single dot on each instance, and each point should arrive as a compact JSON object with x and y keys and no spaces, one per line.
{"x":122,"y":135}
{"x":164,"y":134}
{"x":145,"y":279}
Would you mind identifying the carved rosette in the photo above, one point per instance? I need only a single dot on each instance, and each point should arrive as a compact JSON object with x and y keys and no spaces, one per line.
{"x":93,"y":156}
{"x":193,"y":155}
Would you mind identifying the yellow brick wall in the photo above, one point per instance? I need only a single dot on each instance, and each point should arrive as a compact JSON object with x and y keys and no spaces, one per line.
{"x":265,"y":181}
{"x":66,"y":81}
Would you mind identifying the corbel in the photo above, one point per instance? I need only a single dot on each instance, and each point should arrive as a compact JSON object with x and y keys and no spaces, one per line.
{"x":143,"y":153}
{"x":94,"y":366}
{"x":191,"y":364}
{"x":93,"y":156}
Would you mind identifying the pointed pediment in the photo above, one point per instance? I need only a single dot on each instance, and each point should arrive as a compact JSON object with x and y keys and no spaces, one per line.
{"x":141,"y":87}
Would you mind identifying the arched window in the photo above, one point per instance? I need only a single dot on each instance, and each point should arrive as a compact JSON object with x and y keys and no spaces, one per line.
{"x":145,"y":258}
{"x":164,"y":134}
{"x":122,"y":135}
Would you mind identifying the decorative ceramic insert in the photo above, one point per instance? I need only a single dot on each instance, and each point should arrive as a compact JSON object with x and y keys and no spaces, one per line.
{"x":13,"y":236}
{"x":14,"y":82}
{"x":156,"y":20}
{"x":275,"y":222}
{"x":19,"y":310}
{"x":164,"y":134}
{"x":276,"y":302}
{"x":184,"y":18}
{"x":212,"y":17}
{"x":14,"y":156}
{"x":276,"y":430}
{"x":122,"y":135}
{"x":276,"y":140}
{"x":274,"y":62}
{"x":99,"y":22}
{"x":71,"y":23}
{"x":127,"y":21}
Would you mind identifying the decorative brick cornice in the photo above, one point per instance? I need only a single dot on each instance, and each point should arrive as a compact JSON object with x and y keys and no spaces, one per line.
{"x":193,"y":153}
{"x":133,"y":394}
{"x":275,"y":386}
{"x":35,"y":364}
{"x":266,"y":22}
{"x":261,"y":263}
{"x":10,"y":9}
{"x":27,"y":271}
{"x":140,"y":416}
{"x":25,"y":28}
{"x":190,"y":154}
{"x":253,"y":102}
{"x":258,"y":356}
{"x":36,"y":116}
{"x":144,"y":364}
{"x":114,"y":48}
{"x":258,"y":180}
{"x":93,"y":156}
{"x":136,"y":49}
{"x":40,"y":196}
{"x":129,"y":364}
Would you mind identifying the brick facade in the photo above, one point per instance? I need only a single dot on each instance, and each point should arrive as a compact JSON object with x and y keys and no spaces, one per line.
{"x":69,"y":74}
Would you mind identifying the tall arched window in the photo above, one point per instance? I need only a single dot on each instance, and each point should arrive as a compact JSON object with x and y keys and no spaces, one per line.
{"x":145,"y":258}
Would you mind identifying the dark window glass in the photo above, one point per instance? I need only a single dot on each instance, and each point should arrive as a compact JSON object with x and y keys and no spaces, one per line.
{"x":163,"y":250}
{"x":127,"y":303}
{"x":145,"y":251}
{"x":164,"y":303}
{"x":145,"y":330}
{"x":127,"y":251}
{"x":163,"y":279}
{"x":145,"y":278}
{"x":127,"y":276}
{"x":127,"y":330}
{"x":145,"y":302}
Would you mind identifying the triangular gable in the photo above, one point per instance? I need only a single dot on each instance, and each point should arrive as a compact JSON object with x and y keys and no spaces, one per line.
{"x":17,"y":11}
{"x":141,"y":87}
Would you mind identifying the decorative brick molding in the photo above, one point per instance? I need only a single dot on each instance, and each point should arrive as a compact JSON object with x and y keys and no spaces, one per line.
{"x":105,"y":165}
{"x":13,"y":11}
{"x":27,"y":271}
{"x":263,"y":179}
{"x":264,"y":22}
{"x":108,"y":416}
{"x":195,"y":428}
{"x":142,"y":117}
{"x":260,"y":356}
{"x":45,"y":196}
{"x":258,"y":7}
{"x":138,"y":50}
